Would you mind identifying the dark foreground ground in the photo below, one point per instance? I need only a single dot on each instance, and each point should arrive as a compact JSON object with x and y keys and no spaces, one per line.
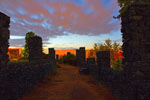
{"x":68,"y":84}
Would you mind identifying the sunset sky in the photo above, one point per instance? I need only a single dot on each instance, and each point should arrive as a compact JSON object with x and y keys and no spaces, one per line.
{"x":63,"y":24}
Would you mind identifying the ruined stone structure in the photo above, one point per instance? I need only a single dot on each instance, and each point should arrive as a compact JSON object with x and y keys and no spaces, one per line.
{"x":136,"y":52}
{"x":103,"y":58}
{"x":90,"y":61}
{"x":4,"y":36}
{"x":82,"y":61}
{"x":51,"y":54}
{"x":136,"y":37}
{"x":92,"y":67}
{"x":35,"y":48}
{"x":77,"y":57}
{"x":57,"y":58}
{"x":80,"y":55}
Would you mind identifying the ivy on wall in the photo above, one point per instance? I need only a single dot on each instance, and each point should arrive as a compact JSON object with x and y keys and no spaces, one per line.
{"x":124,"y":4}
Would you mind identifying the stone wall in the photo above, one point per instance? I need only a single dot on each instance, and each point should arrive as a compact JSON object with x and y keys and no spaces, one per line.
{"x":35,"y":48}
{"x":57,"y":58}
{"x":51,"y":54}
{"x":134,"y":82}
{"x":82,"y":54}
{"x":19,"y":78}
{"x":103,"y":58}
{"x":16,"y":79}
{"x":136,"y":52}
{"x":90,"y":60}
{"x":77,"y":57}
{"x":4,"y":37}
{"x":136,"y":38}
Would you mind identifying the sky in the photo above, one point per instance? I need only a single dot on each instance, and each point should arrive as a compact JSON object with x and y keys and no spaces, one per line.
{"x":63,"y":24}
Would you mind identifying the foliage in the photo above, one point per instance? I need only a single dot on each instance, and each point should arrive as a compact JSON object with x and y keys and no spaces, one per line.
{"x":26,"y":50}
{"x":114,"y":48}
{"x":125,"y":3}
{"x":20,"y":60}
{"x":69,"y":59}
{"x":117,"y":65}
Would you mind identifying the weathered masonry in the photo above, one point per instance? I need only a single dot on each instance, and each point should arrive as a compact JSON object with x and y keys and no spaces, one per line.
{"x":136,"y":51}
{"x":4,"y":37}
{"x":35,"y":48}
{"x":51,"y":54}
{"x":136,"y":37}
{"x":80,"y":54}
{"x":103,"y":58}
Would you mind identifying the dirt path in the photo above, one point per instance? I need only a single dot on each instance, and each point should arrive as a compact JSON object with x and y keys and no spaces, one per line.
{"x":68,"y":84}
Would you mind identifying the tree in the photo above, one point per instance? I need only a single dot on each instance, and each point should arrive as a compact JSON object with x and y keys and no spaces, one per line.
{"x":26,"y":49}
{"x":114,"y":49}
{"x":108,"y":44}
{"x":117,"y":65}
{"x":91,"y":53}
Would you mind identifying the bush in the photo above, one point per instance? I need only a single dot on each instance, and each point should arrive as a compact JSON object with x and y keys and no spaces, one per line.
{"x":68,"y":59}
{"x":19,"y":60}
{"x":117,"y":65}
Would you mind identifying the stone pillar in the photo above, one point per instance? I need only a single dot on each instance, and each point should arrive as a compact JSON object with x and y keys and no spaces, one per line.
{"x":57,"y":58}
{"x":90,"y":64}
{"x":77,"y":57}
{"x":4,"y":37}
{"x":136,"y":51}
{"x":136,"y":38}
{"x":103,"y":58}
{"x":51,"y":54}
{"x":35,"y":48}
{"x":82,"y":57}
{"x":82,"y":54}
{"x":90,"y":61}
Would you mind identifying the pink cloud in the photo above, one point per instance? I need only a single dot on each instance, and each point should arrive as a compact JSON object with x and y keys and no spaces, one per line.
{"x":50,"y":15}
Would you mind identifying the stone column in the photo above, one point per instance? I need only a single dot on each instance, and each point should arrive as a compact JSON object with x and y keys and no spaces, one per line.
{"x":90,"y":61}
{"x":77,"y":57}
{"x":82,"y":54}
{"x":35,"y":48}
{"x":136,"y":38}
{"x":57,"y":58}
{"x":103,"y":58}
{"x":82,"y":61}
{"x":136,"y":51}
{"x":4,"y":37}
{"x":51,"y":54}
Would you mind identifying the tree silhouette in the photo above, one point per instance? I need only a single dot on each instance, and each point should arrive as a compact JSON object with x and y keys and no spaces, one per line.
{"x":26,"y":50}
{"x":106,"y":46}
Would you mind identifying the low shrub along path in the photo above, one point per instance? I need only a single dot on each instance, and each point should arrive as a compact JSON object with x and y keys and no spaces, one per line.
{"x":67,"y":84}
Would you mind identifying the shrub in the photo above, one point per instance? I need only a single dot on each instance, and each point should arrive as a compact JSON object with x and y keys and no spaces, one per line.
{"x":68,"y":59}
{"x":117,"y":65}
